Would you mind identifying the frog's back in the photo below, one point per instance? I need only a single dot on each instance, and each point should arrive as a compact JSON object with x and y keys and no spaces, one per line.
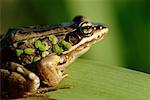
{"x":23,"y":38}
{"x":22,"y":33}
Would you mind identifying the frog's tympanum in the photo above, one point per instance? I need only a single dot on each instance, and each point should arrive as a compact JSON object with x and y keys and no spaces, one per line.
{"x":36,"y":57}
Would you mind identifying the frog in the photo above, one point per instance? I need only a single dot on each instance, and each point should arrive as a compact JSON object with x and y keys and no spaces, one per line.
{"x":35,"y":58}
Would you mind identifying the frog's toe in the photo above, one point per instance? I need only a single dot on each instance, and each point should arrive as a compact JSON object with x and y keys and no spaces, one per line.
{"x":35,"y":82}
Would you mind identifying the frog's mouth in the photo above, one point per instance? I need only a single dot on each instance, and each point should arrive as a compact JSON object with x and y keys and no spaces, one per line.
{"x":82,"y":47}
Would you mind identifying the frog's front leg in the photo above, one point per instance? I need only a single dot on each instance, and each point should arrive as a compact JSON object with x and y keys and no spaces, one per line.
{"x":49,"y":71}
{"x":17,"y":80}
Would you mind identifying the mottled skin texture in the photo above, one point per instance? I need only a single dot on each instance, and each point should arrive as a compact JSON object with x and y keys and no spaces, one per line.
{"x":22,"y":76}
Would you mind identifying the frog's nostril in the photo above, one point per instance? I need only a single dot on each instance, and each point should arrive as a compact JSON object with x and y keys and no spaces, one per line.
{"x":100,"y":27}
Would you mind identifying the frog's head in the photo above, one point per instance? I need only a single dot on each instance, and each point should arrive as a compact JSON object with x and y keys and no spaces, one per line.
{"x":85,"y":34}
{"x":51,"y":47}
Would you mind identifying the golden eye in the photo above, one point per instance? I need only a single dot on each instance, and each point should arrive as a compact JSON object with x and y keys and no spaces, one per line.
{"x":86,"y":28}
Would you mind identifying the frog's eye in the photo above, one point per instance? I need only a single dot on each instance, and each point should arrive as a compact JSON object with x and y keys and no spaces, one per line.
{"x":86,"y":28}
{"x":73,"y":38}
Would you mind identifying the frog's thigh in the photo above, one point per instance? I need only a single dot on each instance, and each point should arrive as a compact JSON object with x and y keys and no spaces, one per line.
{"x":13,"y":83}
{"x":32,"y":80}
{"x":49,"y":72}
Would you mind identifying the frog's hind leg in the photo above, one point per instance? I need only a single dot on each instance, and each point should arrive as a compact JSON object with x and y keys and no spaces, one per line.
{"x":12,"y":84}
{"x":17,"y":80}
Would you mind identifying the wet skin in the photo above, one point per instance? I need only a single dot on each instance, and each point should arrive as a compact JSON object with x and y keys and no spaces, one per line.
{"x":36,"y":57}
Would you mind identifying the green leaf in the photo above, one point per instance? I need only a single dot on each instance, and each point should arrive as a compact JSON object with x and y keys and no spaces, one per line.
{"x":95,"y":81}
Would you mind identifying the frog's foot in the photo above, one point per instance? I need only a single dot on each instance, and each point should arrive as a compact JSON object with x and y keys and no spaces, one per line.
{"x":19,"y":79}
{"x":47,"y":89}
{"x":40,"y":92}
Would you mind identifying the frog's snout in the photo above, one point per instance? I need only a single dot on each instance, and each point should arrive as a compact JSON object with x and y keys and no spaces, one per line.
{"x":100,"y":27}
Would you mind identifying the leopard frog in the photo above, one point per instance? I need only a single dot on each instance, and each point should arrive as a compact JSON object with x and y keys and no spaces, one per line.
{"x":35,"y":57}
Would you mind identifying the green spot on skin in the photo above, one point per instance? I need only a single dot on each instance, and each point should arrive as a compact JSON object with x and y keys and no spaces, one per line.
{"x":19,"y":52}
{"x":53,"y":38}
{"x":35,"y":59}
{"x":29,"y":51}
{"x":42,"y":47}
{"x":57,"y":49}
{"x":38,"y":43}
{"x":66,"y":45}
{"x":44,"y":54}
